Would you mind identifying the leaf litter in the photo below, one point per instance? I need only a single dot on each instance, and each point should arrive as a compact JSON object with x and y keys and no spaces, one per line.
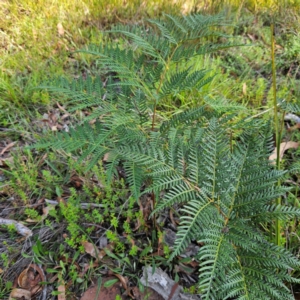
{"x":282,"y":148}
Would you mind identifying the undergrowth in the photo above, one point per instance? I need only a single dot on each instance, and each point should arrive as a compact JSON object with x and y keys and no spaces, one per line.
{"x":143,"y":163}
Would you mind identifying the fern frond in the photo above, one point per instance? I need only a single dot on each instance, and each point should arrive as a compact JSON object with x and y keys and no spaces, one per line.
{"x":198,"y":23}
{"x":224,"y":183}
{"x":140,"y":40}
{"x":183,"y":52}
{"x":214,"y":255}
{"x":223,"y":105}
{"x":196,"y":208}
{"x":284,"y":213}
{"x":179,"y":194}
{"x":185,"y":118}
{"x":174,"y":84}
{"x":179,"y":29}
{"x":84,"y":92}
{"x":183,"y":81}
{"x":135,"y":177}
{"x":166,"y":32}
{"x":111,"y":164}
{"x":290,"y":107}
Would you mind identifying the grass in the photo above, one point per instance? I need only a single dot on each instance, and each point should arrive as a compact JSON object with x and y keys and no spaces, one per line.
{"x":37,"y":41}
{"x":33,"y":47}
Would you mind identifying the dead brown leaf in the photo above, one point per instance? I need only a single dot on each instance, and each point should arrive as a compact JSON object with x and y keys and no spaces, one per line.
{"x":295,"y":127}
{"x":124,"y":281}
{"x":146,"y":207}
{"x":95,"y":252}
{"x":46,"y":211}
{"x":244,"y":89}
{"x":10,"y":145}
{"x":102,"y":293}
{"x":283,"y":147}
{"x":60,"y":29}
{"x":5,"y":162}
{"x":30,"y":279}
{"x":62,"y":291}
{"x":86,"y":267}
{"x":92,"y":250}
{"x":106,"y":157}
{"x":62,"y":108}
{"x":76,"y":181}
{"x":172,"y":218}
{"x":19,"y":294}
{"x":62,"y":201}
{"x":33,"y":221}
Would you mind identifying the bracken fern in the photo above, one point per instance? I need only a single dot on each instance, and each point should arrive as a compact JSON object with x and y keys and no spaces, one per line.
{"x":223,"y":187}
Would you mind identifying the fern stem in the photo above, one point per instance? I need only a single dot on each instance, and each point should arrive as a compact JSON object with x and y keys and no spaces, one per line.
{"x":153,"y":116}
{"x":243,"y":274}
{"x":276,"y":119}
{"x":278,"y":128}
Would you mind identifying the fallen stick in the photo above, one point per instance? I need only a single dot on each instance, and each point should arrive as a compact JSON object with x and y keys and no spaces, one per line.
{"x":21,"y":229}
{"x":82,"y":205}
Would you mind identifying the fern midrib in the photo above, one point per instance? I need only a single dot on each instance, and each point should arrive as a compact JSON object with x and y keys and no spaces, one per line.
{"x":214,"y":265}
{"x":162,"y":78}
{"x":231,"y":206}
{"x":187,"y":231}
{"x":174,"y":171}
{"x":228,"y":218}
{"x":243,"y":275}
{"x":133,"y":74}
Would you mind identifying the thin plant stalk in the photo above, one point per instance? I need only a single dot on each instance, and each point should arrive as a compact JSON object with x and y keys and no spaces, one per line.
{"x":278,"y":128}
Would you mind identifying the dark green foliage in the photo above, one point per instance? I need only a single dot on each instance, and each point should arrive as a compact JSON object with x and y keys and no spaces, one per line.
{"x":223,"y":189}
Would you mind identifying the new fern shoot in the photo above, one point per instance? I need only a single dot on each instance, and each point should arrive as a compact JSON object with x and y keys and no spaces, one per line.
{"x":223,"y":187}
